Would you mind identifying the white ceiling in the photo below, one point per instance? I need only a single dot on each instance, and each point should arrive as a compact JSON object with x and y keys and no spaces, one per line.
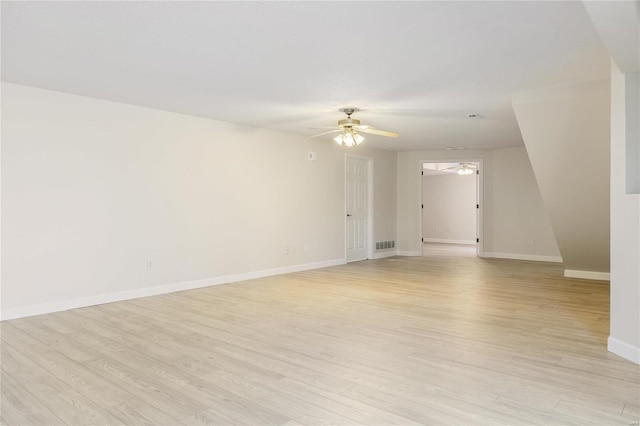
{"x":418,"y":68}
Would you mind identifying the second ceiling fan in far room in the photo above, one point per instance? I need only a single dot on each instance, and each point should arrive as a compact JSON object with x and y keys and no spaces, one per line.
{"x":464,"y":168}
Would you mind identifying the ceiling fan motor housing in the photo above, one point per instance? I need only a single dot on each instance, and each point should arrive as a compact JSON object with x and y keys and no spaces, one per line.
{"x":349,"y":122}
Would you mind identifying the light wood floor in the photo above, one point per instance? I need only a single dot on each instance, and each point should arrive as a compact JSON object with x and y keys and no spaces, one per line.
{"x":432,"y":340}
{"x":448,"y":250}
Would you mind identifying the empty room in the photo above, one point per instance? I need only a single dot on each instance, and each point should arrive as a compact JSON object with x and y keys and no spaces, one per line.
{"x":310,"y":212}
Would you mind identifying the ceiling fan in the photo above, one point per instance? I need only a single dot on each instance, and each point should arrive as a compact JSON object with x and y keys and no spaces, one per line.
{"x":464,"y":169}
{"x":349,"y":128}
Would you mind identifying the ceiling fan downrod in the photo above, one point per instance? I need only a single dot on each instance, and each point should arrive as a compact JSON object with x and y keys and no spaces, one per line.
{"x":349,"y":111}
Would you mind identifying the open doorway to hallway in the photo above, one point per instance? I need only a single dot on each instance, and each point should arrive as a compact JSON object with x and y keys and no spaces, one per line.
{"x":451,"y":213}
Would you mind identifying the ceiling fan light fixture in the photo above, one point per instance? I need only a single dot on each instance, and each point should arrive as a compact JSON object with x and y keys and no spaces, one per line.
{"x":465,"y":170}
{"x":349,"y":138}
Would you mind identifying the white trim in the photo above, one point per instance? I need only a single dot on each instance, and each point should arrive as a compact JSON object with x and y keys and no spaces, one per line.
{"x":421,"y":202}
{"x":383,"y":254}
{"x":409,"y":253}
{"x":82,"y":302}
{"x":517,"y":256}
{"x":446,"y":241}
{"x":587,"y":275}
{"x":480,"y":212}
{"x":623,"y":349}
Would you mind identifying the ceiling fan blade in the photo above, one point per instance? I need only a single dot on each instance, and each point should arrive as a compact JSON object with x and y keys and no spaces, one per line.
{"x":321,"y":128}
{"x":381,"y":132}
{"x":325,"y":133}
{"x":461,"y":166}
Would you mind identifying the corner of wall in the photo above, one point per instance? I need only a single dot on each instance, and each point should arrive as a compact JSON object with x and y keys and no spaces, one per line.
{"x":623,"y":350}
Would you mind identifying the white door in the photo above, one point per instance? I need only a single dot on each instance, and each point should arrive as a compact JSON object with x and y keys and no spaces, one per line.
{"x":357,"y":202}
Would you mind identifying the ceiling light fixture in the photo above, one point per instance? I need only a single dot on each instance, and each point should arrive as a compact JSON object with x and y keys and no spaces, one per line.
{"x":349,"y":138}
{"x":465,"y":169}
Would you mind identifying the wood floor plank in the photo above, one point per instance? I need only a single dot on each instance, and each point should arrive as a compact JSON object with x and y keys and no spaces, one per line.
{"x":524,"y":411}
{"x":586,"y":414}
{"x":340,"y":403}
{"x":70,"y":406}
{"x":631,"y":410}
{"x":444,"y":339}
{"x":301,"y":410}
{"x":19,"y":407}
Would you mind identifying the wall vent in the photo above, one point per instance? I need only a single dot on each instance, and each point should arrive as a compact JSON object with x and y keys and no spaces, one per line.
{"x":384,"y":245}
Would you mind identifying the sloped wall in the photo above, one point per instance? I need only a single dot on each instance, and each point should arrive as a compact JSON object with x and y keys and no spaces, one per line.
{"x":566,"y":132}
{"x":520,"y":224}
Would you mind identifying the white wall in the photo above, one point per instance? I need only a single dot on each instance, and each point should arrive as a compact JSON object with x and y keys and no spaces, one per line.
{"x":384,"y":198}
{"x":92,"y":190}
{"x":618,"y":24}
{"x":624,"y":338}
{"x":501,"y":199}
{"x":449,"y":213}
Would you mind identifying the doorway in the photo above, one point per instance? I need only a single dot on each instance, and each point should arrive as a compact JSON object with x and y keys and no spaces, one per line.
{"x":358,"y":208}
{"x":451,"y":208}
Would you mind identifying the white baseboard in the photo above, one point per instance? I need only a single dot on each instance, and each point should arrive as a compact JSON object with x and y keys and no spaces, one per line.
{"x":446,"y":241}
{"x":383,"y":254}
{"x":82,"y":302}
{"x":517,"y":256}
{"x":623,"y":349}
{"x":408,"y":253}
{"x":587,"y":275}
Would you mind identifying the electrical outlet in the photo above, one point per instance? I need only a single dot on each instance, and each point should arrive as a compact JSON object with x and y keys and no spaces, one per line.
{"x":149,"y":265}
{"x":287,"y":250}
{"x":534,"y":242}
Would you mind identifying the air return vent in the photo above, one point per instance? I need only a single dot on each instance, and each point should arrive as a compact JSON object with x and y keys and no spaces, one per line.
{"x":384,"y":245}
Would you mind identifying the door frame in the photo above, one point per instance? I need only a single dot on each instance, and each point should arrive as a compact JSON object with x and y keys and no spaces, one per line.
{"x":479,"y":198}
{"x":370,"y":214}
